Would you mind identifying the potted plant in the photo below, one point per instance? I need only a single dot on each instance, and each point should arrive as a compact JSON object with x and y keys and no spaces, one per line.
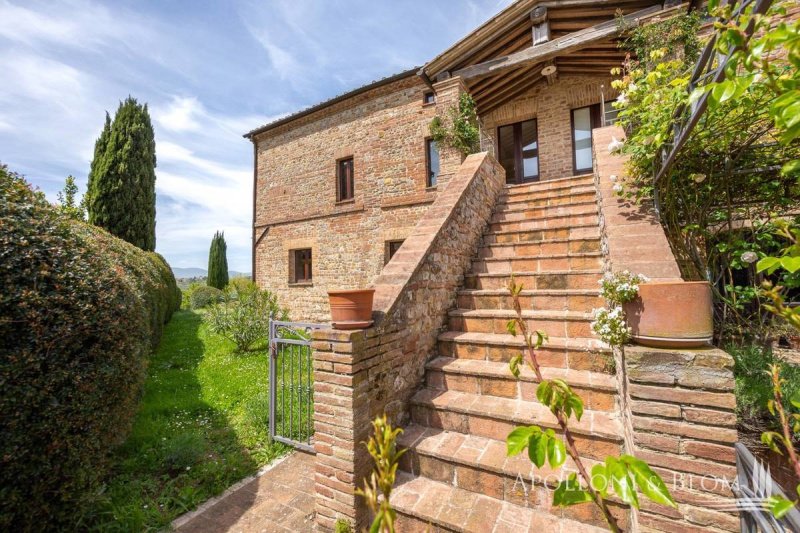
{"x":351,"y":309}
{"x":671,"y":314}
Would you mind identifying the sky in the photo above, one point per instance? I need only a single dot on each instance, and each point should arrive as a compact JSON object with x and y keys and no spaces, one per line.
{"x":209,"y":72}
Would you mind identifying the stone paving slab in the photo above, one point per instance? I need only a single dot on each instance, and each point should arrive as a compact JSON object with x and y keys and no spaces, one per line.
{"x":280,"y":499}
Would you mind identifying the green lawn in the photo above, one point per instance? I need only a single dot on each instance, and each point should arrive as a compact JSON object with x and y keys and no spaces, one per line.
{"x":202,"y":425}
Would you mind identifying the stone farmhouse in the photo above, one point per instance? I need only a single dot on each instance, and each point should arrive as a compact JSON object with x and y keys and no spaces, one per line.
{"x":352,"y":193}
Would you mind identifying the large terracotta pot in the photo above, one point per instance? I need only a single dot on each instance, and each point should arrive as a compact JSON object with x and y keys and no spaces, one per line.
{"x":672,"y":314}
{"x":351,"y":309}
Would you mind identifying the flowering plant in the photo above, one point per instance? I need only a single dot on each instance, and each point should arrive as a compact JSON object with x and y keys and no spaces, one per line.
{"x":620,"y":287}
{"x":609,"y":325}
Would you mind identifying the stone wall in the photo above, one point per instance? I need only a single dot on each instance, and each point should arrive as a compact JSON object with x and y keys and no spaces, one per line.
{"x":384,"y":130}
{"x":359,"y":375}
{"x":678,"y":406}
{"x":551,"y":106}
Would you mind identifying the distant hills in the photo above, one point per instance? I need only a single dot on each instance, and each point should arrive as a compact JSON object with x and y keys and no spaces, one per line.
{"x":202,"y":272}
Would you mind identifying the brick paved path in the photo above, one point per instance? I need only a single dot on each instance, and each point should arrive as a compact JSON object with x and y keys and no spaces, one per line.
{"x":279,"y":499}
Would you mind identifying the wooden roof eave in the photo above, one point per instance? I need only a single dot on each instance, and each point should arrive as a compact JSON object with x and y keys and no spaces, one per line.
{"x":498,"y":25}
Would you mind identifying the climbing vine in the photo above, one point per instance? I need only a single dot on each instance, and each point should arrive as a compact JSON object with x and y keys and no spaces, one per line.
{"x":459,"y":128}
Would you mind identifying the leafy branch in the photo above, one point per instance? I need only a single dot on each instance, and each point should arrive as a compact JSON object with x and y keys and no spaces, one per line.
{"x":621,"y":475}
{"x":459,"y":129}
{"x":382,"y":446}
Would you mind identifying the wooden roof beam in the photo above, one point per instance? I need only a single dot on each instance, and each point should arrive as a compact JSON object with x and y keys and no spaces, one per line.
{"x":554,"y":48}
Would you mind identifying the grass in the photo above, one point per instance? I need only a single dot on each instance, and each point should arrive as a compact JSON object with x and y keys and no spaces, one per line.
{"x":202,"y":425}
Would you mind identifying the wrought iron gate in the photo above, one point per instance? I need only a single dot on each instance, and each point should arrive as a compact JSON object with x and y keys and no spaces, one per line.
{"x":291,"y":383}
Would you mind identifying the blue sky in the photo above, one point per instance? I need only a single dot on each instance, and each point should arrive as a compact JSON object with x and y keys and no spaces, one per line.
{"x":209,"y":71}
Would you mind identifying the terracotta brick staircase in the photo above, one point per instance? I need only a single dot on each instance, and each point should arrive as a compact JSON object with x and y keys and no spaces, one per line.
{"x":456,"y":476}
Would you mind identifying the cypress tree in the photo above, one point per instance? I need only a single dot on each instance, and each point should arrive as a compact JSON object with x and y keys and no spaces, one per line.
{"x":121,"y":195}
{"x":218,"y":262}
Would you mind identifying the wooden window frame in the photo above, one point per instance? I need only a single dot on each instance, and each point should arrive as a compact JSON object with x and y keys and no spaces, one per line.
{"x":388,"y":253}
{"x":304,"y":265}
{"x":428,"y":183}
{"x":425,"y":96}
{"x":516,"y":129}
{"x":595,"y":121}
{"x":340,"y":195}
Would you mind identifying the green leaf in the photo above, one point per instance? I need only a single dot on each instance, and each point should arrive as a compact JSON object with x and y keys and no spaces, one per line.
{"x":621,"y":481}
{"x":648,"y":482}
{"x":795,"y":400}
{"x":511,"y":327}
{"x":576,"y":405}
{"x":537,"y":449}
{"x":779,"y":506}
{"x":514,"y":365}
{"x":569,"y":492}
{"x":792,"y":264}
{"x":541,"y":337}
{"x":556,"y":451}
{"x":517,"y":440}
{"x":767,"y":263}
{"x":600,"y":479}
{"x":544,"y":392}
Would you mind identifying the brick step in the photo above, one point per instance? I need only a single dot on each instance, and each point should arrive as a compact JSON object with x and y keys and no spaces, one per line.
{"x":568,"y":300}
{"x":495,"y":418}
{"x":549,"y":185}
{"x":491,"y":378}
{"x":554,"y":198}
{"x":570,"y":324}
{"x":538,"y":263}
{"x":564,"y":279}
{"x":425,"y":505}
{"x":546,"y":223}
{"x":550,"y":246}
{"x":506,"y":236}
{"x":480,"y":465}
{"x":558,"y":352}
{"x":523,"y":212}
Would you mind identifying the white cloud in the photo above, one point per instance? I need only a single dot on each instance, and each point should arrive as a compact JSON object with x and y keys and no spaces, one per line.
{"x":180,"y":115}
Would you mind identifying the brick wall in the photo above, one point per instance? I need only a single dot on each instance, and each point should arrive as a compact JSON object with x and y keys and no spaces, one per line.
{"x":678,"y":406}
{"x":361,"y":374}
{"x":551,"y":106}
{"x":384,"y":131}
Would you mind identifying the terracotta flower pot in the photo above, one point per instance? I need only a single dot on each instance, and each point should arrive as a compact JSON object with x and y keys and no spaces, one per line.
{"x":351,"y":309}
{"x":670,"y":314}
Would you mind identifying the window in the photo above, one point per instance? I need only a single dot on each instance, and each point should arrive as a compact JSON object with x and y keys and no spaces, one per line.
{"x":431,"y":162}
{"x":429,"y":98}
{"x":301,"y":263}
{"x":391,"y":249}
{"x":584,"y":120}
{"x":518,"y":151}
{"x":344,"y":180}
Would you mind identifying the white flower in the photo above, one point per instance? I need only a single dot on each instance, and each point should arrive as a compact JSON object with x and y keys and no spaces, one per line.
{"x":622,"y":99}
{"x":749,"y":257}
{"x":632,"y":87}
{"x":615,"y":145}
{"x":612,"y":178}
{"x":699,"y":178}
{"x":617,"y":187}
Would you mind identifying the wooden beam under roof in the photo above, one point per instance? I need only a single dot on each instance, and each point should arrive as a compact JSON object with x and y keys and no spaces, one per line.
{"x":554,"y":48}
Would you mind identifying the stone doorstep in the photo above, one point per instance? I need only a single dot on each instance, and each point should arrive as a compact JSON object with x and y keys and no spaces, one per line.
{"x":538,"y":256}
{"x":600,"y":424}
{"x":547,"y":187}
{"x":552,"y":279}
{"x":586,"y":193}
{"x":527,"y":314}
{"x":566,"y":243}
{"x":583,"y":379}
{"x":422,"y":499}
{"x":552,"y":211}
{"x":555,"y":181}
{"x":594,"y":229}
{"x":538,"y":224}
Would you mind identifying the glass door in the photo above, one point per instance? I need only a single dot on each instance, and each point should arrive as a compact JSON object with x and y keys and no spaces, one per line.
{"x":518,"y":151}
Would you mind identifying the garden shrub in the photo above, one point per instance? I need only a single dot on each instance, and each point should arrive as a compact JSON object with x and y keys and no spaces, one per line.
{"x":245,"y":320}
{"x":204,"y":296}
{"x":80,"y":312}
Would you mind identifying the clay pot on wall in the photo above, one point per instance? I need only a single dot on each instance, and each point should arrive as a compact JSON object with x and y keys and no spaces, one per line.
{"x":671,"y":314}
{"x":351,"y":309}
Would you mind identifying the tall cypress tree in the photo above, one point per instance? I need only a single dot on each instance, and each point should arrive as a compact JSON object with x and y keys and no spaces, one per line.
{"x":121,"y":195}
{"x":218,"y":262}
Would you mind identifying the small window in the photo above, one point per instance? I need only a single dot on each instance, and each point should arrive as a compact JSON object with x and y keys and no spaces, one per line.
{"x":344,"y":180}
{"x":431,"y":162}
{"x":429,"y":98}
{"x":301,"y":261}
{"x":391,"y":249}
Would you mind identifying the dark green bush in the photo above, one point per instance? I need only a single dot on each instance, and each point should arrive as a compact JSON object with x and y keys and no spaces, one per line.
{"x":205,"y":296}
{"x":80,"y":312}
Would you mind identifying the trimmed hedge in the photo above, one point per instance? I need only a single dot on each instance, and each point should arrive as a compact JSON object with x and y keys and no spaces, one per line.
{"x":80,"y":312}
{"x":205,"y":296}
